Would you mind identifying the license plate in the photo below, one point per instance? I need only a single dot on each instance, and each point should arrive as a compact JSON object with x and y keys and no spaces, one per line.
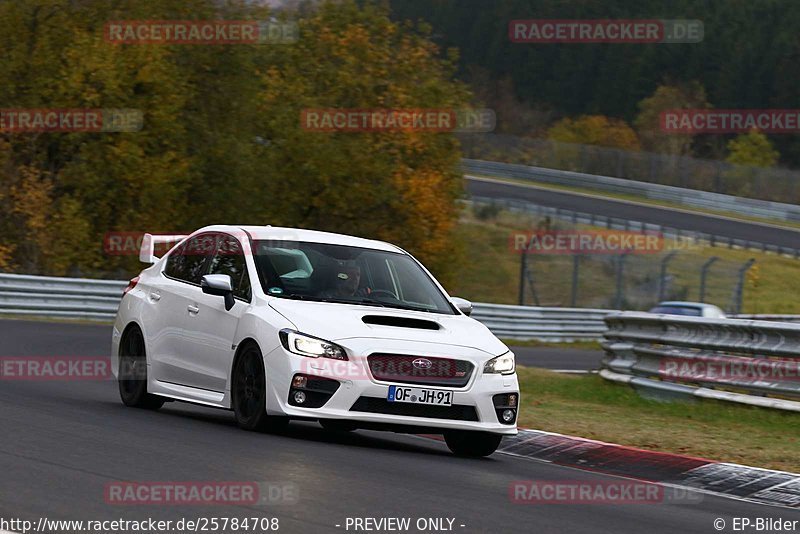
{"x":420,"y":396}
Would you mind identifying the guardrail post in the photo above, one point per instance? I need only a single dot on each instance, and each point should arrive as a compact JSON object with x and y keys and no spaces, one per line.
{"x":740,"y":285}
{"x":576,"y":265}
{"x":662,"y":280}
{"x":703,"y":274}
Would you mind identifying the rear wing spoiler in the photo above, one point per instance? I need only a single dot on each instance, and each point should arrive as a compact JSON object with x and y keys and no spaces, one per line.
{"x":147,"y":254}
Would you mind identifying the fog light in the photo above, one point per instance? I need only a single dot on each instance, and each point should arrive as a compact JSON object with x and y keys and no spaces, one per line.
{"x":512,"y":400}
{"x":299,"y":382}
{"x":300,"y":397}
{"x":508,"y":416}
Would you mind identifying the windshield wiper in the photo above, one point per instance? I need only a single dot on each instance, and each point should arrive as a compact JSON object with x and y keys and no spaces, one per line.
{"x":410,"y":308}
{"x":295,"y":296}
{"x":335,"y":300}
{"x":363,"y":301}
{"x":366,"y":302}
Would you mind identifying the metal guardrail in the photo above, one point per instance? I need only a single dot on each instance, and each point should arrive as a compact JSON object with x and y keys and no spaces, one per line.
{"x":60,"y":298}
{"x":544,"y":324}
{"x":688,"y":197}
{"x":89,"y":299}
{"x":86,"y":299}
{"x":739,"y":360}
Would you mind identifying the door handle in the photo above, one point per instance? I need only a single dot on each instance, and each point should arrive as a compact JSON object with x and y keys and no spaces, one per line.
{"x":194,"y":310}
{"x":155,"y":297}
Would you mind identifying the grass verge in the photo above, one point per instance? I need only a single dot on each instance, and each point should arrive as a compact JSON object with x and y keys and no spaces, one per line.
{"x":590,"y":407}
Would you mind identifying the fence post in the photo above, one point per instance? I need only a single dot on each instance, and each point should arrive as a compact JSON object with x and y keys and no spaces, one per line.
{"x":523,"y":271}
{"x":662,"y":280}
{"x":576,"y":265}
{"x":620,"y":269}
{"x":703,"y":273}
{"x":740,"y":285}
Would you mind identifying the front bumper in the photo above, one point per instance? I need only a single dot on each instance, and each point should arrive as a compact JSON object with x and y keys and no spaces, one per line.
{"x":359,"y":390}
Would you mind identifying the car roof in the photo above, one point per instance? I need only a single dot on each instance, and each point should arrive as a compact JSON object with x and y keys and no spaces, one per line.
{"x":277,"y":233}
{"x":686,"y":304}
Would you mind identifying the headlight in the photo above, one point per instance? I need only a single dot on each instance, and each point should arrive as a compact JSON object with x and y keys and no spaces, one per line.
{"x":503,"y":365}
{"x":312,"y":347}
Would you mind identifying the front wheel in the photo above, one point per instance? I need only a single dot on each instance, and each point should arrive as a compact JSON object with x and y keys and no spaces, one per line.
{"x":132,"y":376}
{"x":249,"y":394}
{"x":472,"y":444}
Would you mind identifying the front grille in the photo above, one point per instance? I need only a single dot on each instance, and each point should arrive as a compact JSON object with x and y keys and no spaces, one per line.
{"x":457,"y":412}
{"x":427,"y":371}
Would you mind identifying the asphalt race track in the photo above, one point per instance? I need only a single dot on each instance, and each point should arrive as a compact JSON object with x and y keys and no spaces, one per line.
{"x":684,"y":220}
{"x":63,"y":441}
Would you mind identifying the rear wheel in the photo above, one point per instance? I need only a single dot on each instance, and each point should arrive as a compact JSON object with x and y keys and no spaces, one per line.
{"x":249,"y":393}
{"x":132,"y":376}
{"x":472,"y":444}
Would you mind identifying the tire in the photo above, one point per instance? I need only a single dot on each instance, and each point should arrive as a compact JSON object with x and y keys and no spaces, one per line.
{"x":334,"y":425}
{"x":132,"y":375}
{"x":472,"y":444}
{"x":249,"y":393}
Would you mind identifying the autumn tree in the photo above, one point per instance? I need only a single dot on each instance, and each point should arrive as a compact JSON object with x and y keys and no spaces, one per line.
{"x":400,"y":186}
{"x":221,"y":138}
{"x":690,"y":95}
{"x":595,"y":130}
{"x":753,"y":149}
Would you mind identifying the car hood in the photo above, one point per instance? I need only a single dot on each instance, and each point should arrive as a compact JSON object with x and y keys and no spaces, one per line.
{"x":339,"y":322}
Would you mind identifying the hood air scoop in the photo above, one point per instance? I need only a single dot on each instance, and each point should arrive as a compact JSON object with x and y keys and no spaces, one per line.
{"x":400,"y":322}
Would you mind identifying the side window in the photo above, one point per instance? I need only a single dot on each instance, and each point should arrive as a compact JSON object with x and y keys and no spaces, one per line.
{"x":230,"y":260}
{"x":188,"y":261}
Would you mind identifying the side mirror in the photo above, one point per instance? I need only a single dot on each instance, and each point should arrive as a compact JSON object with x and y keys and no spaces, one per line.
{"x":220,"y":285}
{"x":463,"y":305}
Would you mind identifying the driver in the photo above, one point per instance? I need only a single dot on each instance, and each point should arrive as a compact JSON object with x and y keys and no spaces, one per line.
{"x":347,"y":281}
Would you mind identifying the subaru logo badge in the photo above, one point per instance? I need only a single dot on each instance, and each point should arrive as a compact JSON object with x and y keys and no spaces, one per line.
{"x":422,"y":363}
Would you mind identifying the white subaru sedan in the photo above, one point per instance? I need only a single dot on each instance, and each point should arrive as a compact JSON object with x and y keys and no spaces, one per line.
{"x":280,"y":323}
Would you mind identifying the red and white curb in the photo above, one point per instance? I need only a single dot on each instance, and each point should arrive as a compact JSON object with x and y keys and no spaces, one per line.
{"x":765,"y":486}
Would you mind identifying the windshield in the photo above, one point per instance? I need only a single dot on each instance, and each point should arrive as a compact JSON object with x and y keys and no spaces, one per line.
{"x":343,"y":274}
